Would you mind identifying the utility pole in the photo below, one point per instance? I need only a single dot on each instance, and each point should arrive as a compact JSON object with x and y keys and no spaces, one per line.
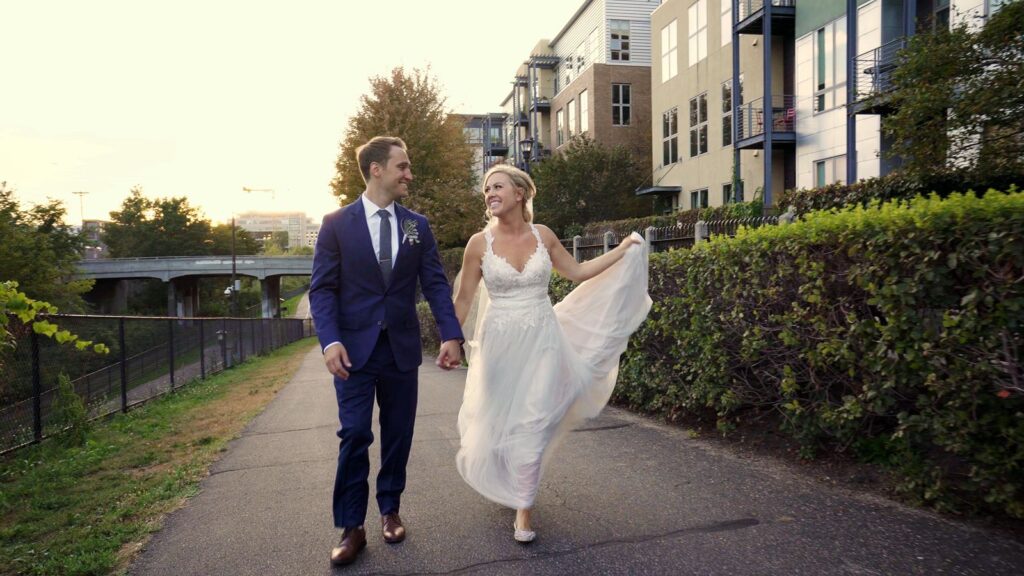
{"x":81,"y":204}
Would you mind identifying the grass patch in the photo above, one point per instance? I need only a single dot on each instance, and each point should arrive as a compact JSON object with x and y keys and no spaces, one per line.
{"x":288,"y":306}
{"x":89,"y":509}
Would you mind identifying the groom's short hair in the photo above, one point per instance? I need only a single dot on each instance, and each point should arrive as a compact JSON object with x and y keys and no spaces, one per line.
{"x":378,"y":150}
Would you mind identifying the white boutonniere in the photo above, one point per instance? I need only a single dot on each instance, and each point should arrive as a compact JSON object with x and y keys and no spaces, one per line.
{"x":412,"y":233}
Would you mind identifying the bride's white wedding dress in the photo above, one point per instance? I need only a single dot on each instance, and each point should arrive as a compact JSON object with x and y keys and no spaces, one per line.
{"x":535,"y":370}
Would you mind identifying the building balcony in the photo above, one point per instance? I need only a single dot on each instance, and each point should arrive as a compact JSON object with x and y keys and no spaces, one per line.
{"x":873,"y":71}
{"x":541,"y":104}
{"x":750,"y":123}
{"x":496,"y":148}
{"x":751,"y":15}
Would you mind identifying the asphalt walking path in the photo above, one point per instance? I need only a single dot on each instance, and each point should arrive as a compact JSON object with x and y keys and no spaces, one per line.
{"x":625,"y":495}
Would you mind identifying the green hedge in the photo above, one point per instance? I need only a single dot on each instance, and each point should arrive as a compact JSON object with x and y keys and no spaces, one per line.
{"x":892,"y":187}
{"x":894,"y":331}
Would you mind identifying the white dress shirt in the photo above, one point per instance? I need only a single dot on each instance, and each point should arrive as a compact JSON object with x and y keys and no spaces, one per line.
{"x":373,"y":223}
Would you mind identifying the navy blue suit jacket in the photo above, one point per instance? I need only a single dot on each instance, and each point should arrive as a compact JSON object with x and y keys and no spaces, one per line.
{"x":351,"y":304}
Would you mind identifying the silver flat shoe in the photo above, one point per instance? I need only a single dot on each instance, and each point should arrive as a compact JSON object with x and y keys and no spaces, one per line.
{"x":523,"y":536}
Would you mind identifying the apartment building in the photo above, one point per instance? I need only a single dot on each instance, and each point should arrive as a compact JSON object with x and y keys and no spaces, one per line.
{"x":813,"y":127}
{"x":485,"y":134}
{"x":302,"y":230}
{"x":593,"y":78}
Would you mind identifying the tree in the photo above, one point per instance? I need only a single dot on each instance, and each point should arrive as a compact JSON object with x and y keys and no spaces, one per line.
{"x":587,"y":182}
{"x":160,"y":227}
{"x":40,"y":252}
{"x":219,"y":242}
{"x":957,"y":98}
{"x":410,"y":106}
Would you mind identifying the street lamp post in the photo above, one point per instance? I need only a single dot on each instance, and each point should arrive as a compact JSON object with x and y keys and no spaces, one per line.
{"x":234,"y":280}
{"x":526,"y":145}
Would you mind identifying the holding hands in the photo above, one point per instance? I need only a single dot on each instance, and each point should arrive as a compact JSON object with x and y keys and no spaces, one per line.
{"x":450,"y":355}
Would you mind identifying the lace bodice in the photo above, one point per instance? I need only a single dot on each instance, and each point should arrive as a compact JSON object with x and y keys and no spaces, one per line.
{"x":520,"y":297}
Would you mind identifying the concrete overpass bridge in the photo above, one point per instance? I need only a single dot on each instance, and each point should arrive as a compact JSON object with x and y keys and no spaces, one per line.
{"x":182,"y":273}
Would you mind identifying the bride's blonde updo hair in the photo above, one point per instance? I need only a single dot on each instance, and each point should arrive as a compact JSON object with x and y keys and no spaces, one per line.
{"x":520,"y":180}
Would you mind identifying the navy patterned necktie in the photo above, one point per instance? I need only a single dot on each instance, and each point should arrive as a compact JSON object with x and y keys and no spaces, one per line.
{"x":384,"y":257}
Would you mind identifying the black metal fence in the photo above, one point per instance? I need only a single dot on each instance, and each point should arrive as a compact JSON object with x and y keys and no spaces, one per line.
{"x":149,"y":356}
{"x":683,"y":235}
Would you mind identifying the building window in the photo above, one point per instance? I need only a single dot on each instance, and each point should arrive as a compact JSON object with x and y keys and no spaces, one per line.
{"x":559,"y":127}
{"x":620,"y":104}
{"x":727,"y":113}
{"x":941,"y":18}
{"x":727,"y":195}
{"x":726,"y":22}
{"x":699,"y":125}
{"x":571,"y":107}
{"x":829,"y":171}
{"x":699,"y":199}
{"x":584,"y":113}
{"x":669,"y":51}
{"x":830,"y":65}
{"x":670,"y":137}
{"x":675,"y":203}
{"x":697,"y":21}
{"x":620,"y":40}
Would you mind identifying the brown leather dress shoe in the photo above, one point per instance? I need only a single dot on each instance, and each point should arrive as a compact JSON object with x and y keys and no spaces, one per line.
{"x":392,"y":527}
{"x":353,"y":540}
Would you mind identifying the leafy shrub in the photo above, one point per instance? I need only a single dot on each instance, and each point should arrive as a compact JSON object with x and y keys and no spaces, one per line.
{"x":892,"y":187}
{"x":428,"y":327}
{"x":893,"y":330}
{"x":69,"y":415}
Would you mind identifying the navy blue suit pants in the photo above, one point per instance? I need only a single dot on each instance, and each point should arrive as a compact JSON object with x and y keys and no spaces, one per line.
{"x":396,"y":395}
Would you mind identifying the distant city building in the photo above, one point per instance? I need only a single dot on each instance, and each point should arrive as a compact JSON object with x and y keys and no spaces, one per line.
{"x":94,"y":246}
{"x":302,"y":230}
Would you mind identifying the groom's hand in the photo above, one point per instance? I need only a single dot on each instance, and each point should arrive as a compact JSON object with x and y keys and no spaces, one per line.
{"x":336,"y":359}
{"x":449,"y":356}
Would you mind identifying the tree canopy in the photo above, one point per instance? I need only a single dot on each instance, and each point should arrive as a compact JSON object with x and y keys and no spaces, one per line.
{"x":40,"y":252}
{"x":411,"y":107}
{"x":169,"y":227}
{"x":957,"y":98}
{"x":587,"y":182}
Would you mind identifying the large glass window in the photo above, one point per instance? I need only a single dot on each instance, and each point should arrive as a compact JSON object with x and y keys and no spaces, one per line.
{"x":727,"y":195}
{"x":620,"y":104}
{"x":699,"y":125}
{"x":584,"y":112}
{"x":699,"y":199}
{"x":619,"y":40}
{"x":829,"y":171}
{"x":669,"y":51}
{"x":571,"y":107}
{"x":560,"y":127}
{"x":670,"y":137}
{"x":697,"y":23}
{"x":727,"y":113}
{"x":830,"y":65}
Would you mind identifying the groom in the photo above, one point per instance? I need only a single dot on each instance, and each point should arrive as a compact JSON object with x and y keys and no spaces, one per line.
{"x":369,"y":255}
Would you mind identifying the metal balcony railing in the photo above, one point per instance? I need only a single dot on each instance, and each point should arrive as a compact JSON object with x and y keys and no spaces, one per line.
{"x":749,"y":7}
{"x":750,"y":119}
{"x":874,"y":68}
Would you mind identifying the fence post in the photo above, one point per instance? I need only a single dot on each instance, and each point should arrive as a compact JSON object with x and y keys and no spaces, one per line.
{"x":649,"y":238}
{"x":124,"y":365}
{"x":576,"y":247}
{"x":202,"y":351}
{"x":170,"y":350}
{"x":607,"y":240}
{"x":224,"y":342}
{"x":700,"y":232}
{"x":240,"y":341}
{"x":37,"y":391}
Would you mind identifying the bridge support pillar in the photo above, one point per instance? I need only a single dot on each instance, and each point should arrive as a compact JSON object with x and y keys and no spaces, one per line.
{"x":109,"y":296}
{"x":271,"y":290}
{"x":183,"y":297}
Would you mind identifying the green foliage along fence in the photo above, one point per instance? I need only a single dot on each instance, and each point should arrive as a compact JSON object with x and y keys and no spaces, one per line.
{"x":894,"y":331}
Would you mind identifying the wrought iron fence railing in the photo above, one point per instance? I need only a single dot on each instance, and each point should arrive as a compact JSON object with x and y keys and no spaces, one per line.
{"x":149,"y":356}
{"x":683,"y":235}
{"x":874,"y":68}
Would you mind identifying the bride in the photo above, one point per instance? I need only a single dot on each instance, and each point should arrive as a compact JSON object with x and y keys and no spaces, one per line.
{"x":535,"y":370}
